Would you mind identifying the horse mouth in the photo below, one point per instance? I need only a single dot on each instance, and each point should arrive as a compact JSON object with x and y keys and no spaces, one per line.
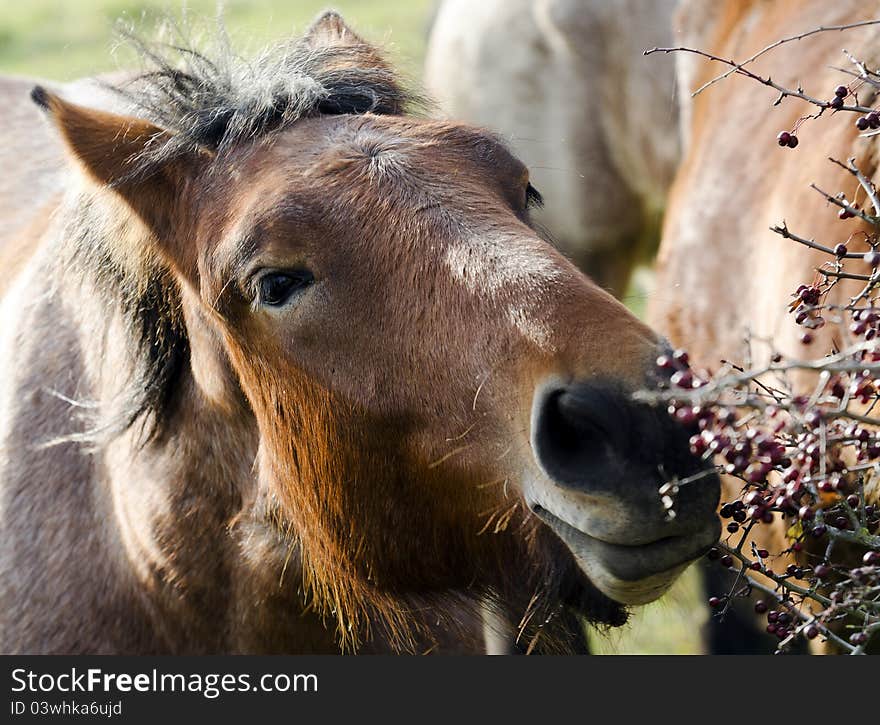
{"x":632,"y":574}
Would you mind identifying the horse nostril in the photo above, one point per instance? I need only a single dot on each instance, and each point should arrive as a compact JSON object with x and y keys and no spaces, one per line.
{"x":574,"y":428}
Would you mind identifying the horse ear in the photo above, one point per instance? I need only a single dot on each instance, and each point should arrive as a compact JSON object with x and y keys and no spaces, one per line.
{"x":111,"y":150}
{"x":329,"y":29}
{"x":342,"y":61}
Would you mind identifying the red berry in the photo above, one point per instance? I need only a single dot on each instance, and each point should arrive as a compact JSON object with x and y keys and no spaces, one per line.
{"x":840,"y":250}
{"x":760,"y":606}
{"x":685,"y":416}
{"x":806,"y":338}
{"x":715,"y":602}
{"x":812,"y":631}
{"x":836,"y":103}
{"x":754,"y":498}
{"x":822,"y":571}
{"x":783,"y":138}
{"x":682,"y":379}
{"x":726,"y":561}
{"x":792,"y":141}
{"x":862,"y":124}
{"x":810,"y":295}
{"x":841,"y":91}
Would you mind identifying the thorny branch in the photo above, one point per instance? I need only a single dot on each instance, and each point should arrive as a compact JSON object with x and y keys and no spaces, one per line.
{"x":807,"y":456}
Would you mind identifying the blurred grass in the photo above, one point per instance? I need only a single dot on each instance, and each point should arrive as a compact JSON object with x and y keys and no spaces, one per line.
{"x":62,"y":40}
{"x":670,"y":625}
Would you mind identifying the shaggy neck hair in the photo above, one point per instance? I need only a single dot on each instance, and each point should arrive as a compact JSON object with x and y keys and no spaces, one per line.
{"x":208,"y":102}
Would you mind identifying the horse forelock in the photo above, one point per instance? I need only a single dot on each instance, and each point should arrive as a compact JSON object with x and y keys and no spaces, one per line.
{"x":217,"y":100}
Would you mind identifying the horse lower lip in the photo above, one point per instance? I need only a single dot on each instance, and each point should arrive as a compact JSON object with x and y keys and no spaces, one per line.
{"x":632,"y":563}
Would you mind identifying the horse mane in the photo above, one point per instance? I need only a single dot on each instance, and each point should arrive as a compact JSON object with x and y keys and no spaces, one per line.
{"x":211,"y":101}
{"x":218,"y":100}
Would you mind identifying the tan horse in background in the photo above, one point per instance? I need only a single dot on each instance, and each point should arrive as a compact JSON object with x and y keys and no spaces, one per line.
{"x":565,"y":82}
{"x":721,"y":272}
{"x":285,"y":369}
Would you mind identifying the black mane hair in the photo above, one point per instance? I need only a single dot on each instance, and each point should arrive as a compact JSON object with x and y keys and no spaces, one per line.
{"x":212,"y":101}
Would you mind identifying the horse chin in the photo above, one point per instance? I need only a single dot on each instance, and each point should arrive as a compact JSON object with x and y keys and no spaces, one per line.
{"x":631,"y":575}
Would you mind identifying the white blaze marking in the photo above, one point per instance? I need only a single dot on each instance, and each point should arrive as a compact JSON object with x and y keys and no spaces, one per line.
{"x":501,"y":268}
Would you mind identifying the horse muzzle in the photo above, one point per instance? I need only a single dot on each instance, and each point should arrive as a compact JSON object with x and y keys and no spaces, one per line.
{"x":605,"y":458}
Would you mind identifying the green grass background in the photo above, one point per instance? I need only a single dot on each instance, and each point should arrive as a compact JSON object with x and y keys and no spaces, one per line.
{"x":62,"y":40}
{"x":65,"y":39}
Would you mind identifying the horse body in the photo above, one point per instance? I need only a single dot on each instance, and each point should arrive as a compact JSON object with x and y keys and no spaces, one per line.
{"x":304,"y":377}
{"x":565,"y":81}
{"x":721,"y":273}
{"x":720,"y":202}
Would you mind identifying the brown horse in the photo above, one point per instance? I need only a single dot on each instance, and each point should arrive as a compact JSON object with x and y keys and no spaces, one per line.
{"x":721,"y":272}
{"x":285,"y":369}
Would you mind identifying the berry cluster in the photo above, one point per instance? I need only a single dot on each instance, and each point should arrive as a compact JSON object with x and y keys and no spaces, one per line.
{"x":869,"y":121}
{"x":803,"y":461}
{"x":787,"y":139}
{"x":805,"y":457}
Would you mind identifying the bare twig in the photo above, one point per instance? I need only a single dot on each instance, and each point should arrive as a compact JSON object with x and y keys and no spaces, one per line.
{"x":844,"y":205}
{"x":783,"y":41}
{"x":866,"y":183}
{"x":785,"y":233}
{"x":769,"y":82}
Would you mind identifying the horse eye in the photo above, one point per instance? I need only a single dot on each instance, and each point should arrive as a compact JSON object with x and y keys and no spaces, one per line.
{"x":277,"y":288}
